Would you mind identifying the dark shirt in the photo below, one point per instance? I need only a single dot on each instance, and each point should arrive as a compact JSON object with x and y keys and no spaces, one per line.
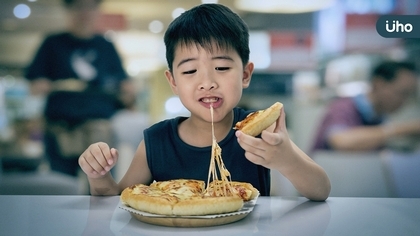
{"x":169,"y":157}
{"x":94,"y":61}
{"x":63,"y":56}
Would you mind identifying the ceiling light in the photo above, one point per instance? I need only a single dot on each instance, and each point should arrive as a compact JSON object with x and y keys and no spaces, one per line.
{"x":22,"y":11}
{"x":283,"y":6}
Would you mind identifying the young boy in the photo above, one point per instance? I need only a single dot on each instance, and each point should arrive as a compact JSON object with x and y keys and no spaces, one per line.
{"x":207,"y":53}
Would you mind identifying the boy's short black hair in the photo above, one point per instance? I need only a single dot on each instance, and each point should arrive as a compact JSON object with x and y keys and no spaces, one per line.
{"x":388,"y":70}
{"x":206,"y":24}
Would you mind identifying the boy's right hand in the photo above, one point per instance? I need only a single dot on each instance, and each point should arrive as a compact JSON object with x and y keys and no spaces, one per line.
{"x":98,"y":159}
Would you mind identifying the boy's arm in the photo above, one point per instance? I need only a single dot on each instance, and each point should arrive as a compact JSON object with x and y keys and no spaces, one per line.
{"x":307,"y":177}
{"x":99,"y":159}
{"x":274,"y":150}
{"x":138,"y":172}
{"x":104,"y":186}
{"x":96,"y":161}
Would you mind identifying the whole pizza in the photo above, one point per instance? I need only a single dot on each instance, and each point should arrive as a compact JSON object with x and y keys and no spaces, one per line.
{"x":184,"y":197}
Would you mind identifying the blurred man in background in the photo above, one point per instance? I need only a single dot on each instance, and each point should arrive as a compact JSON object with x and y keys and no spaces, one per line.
{"x":358,"y":123}
{"x":91,"y":63}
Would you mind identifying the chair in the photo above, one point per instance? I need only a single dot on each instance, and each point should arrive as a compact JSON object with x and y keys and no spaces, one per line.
{"x":29,"y":181}
{"x":403,"y":170}
{"x":35,"y":183}
{"x":356,"y":174}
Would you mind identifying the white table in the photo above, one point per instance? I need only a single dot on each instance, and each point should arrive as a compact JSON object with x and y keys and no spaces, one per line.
{"x":86,"y":215}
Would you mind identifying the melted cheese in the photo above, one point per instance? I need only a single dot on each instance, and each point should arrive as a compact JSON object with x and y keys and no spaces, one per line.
{"x":216,"y":163}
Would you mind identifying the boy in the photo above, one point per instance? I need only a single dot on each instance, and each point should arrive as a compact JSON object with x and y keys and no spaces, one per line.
{"x":207,"y":53}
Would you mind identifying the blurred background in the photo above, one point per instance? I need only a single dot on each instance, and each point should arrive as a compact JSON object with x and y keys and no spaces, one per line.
{"x":305,"y":53}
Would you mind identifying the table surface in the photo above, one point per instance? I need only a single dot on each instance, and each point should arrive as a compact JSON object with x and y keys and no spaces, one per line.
{"x":86,"y":215}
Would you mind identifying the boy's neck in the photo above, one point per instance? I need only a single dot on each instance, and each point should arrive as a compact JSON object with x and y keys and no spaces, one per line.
{"x":199,"y":134}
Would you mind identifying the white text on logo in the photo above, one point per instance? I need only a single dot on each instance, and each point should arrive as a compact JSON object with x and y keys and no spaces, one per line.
{"x":399,"y":27}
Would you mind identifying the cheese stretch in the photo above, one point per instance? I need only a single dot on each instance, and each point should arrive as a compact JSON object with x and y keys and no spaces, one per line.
{"x":216,"y":163}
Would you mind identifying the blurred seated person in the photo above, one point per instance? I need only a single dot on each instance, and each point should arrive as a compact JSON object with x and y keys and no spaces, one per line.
{"x":359,"y":123}
{"x":81,"y":55}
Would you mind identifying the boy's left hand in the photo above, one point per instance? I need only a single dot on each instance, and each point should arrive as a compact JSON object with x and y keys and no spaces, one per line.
{"x":272,"y":145}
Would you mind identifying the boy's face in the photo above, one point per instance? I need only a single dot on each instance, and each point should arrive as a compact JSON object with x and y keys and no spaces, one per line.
{"x":202,"y":78}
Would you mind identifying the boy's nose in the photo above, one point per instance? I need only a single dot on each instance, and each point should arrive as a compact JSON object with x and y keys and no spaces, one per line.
{"x":208,"y":84}
{"x":205,"y":87}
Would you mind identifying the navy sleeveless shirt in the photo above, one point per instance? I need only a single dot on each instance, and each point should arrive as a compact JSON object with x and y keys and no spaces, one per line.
{"x":169,"y":157}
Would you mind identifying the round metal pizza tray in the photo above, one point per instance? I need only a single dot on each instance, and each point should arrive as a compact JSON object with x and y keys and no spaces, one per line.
{"x":191,"y":221}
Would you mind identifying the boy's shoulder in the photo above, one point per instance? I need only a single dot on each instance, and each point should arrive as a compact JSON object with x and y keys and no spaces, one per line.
{"x":166,"y":124}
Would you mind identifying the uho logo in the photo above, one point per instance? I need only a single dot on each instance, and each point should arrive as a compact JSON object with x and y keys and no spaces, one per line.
{"x":399,"y":26}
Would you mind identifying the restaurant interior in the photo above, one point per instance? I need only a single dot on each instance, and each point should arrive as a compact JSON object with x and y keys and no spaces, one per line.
{"x":305,"y":52}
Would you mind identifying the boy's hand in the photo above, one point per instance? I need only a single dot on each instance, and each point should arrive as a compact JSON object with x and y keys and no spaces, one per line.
{"x":268,"y":149}
{"x":98,"y":159}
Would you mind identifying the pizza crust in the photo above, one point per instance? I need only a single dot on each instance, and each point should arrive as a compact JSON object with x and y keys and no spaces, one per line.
{"x":152,"y":204}
{"x":173,"y":197}
{"x":258,"y":121}
{"x":207,"y":206}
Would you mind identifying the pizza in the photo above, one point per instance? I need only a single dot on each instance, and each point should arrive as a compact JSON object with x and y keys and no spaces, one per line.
{"x":186,"y":197}
{"x":260,"y":120}
{"x":244,"y":190}
{"x":189,"y":197}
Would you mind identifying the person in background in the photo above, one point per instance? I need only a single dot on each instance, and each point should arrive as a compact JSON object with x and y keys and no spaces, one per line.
{"x":207,"y":51}
{"x":359,"y":123}
{"x":78,"y":54}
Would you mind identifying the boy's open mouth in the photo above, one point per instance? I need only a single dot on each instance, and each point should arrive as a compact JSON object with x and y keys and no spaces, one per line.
{"x":210,"y":100}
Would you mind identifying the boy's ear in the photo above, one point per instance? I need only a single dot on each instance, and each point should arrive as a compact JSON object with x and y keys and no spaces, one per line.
{"x":247,"y":74}
{"x":171,"y":81}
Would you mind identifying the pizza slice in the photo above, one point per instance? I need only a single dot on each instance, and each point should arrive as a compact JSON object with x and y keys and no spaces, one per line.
{"x":181,"y":187}
{"x":241,"y":189}
{"x":148,"y":199}
{"x":260,"y":120}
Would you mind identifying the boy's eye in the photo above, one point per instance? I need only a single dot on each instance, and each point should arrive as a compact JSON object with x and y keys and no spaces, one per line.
{"x":222,"y":68}
{"x":189,"y":72}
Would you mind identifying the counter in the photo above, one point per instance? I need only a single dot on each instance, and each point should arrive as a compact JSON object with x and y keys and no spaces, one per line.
{"x":86,"y":215}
